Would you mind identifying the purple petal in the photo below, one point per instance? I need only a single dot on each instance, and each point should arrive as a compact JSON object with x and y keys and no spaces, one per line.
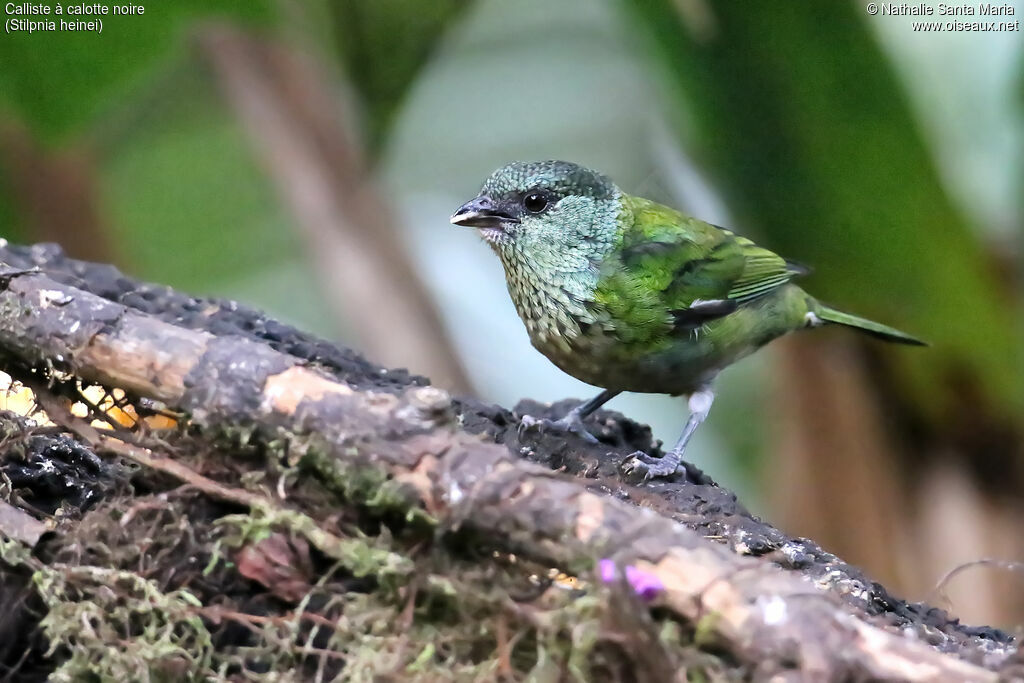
{"x":644,"y":583}
{"x":607,"y":570}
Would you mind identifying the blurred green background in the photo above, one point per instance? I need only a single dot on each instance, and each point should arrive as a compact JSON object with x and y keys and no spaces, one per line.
{"x":304,"y":157}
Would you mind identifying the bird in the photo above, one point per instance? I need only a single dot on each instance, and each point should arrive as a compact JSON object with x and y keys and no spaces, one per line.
{"x":630,"y":295}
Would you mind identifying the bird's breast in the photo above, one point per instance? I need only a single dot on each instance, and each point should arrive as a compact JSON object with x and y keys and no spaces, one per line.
{"x":574,"y":331}
{"x":552,"y":306}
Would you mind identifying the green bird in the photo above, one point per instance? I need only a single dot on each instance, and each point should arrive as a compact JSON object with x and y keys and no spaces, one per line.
{"x":630,"y":295}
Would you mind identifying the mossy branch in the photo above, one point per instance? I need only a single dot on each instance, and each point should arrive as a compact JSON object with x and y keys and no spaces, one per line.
{"x":403,"y":451}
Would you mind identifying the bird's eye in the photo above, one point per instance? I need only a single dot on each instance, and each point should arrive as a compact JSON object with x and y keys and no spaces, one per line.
{"x":535,"y":202}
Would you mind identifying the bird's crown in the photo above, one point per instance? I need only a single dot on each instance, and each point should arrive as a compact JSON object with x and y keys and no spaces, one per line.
{"x":562,"y":178}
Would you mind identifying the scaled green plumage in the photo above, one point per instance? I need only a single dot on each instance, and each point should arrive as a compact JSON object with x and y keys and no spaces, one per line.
{"x":630,"y":295}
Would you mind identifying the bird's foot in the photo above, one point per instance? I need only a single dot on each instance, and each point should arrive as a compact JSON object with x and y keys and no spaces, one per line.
{"x":570,"y":423}
{"x":641,"y":467}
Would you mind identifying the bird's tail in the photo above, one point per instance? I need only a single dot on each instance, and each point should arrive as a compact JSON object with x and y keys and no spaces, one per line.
{"x":889,"y":334}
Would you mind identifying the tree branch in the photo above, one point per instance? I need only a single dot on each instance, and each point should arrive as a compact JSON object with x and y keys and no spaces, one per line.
{"x":405,"y":445}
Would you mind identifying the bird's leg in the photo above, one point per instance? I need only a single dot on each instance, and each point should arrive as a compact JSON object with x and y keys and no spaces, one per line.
{"x":700,"y":405}
{"x":573,"y":421}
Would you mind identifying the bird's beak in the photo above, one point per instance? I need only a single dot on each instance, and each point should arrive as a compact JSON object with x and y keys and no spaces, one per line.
{"x":481,"y":213}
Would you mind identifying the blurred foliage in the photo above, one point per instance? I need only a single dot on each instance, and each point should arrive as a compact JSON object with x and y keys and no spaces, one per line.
{"x":193,"y":155}
{"x":180,"y":192}
{"x":384,"y":49}
{"x":798,"y":112}
{"x":62,"y":81}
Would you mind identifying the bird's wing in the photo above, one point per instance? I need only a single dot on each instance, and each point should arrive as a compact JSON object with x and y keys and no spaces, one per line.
{"x":692,"y":269}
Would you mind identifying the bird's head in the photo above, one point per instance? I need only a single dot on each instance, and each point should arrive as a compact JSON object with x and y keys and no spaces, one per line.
{"x":543,"y":207}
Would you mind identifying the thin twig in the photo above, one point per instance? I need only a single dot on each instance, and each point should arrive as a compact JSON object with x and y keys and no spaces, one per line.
{"x":1008,"y":565}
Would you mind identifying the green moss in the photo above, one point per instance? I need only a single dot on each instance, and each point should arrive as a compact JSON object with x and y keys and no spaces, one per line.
{"x":365,"y":485}
{"x":117,"y":626}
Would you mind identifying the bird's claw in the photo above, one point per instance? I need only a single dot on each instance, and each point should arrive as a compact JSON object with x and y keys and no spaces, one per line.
{"x":569,"y":423}
{"x":640,"y":467}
